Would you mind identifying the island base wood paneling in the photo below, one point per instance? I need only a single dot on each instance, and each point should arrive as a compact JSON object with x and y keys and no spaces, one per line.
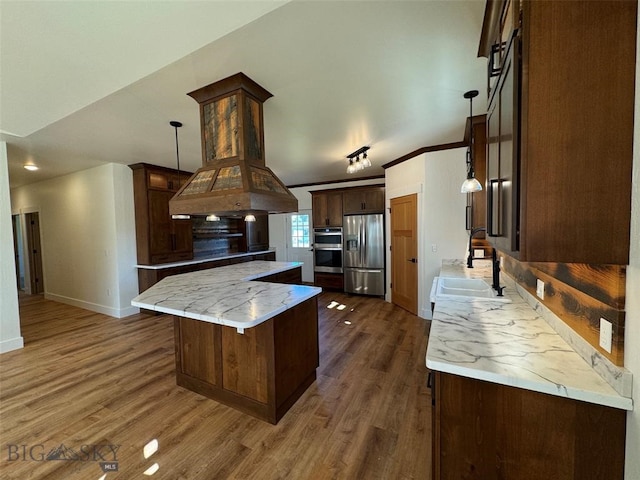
{"x":486,"y":431}
{"x":261,"y":372}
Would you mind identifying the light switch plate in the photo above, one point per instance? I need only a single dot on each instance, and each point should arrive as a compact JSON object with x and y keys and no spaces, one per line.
{"x":540,"y":289}
{"x":606,"y":332}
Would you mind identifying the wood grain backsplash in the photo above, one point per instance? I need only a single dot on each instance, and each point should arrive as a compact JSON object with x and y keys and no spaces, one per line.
{"x":580,"y":295}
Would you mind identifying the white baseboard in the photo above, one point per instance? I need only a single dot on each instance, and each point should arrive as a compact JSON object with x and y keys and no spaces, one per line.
{"x":11,"y":344}
{"x":94,"y":307}
{"x":426,"y":313}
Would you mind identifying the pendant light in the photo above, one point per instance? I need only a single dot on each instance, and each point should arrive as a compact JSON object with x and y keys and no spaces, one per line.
{"x":177,"y":125}
{"x":471,"y":184}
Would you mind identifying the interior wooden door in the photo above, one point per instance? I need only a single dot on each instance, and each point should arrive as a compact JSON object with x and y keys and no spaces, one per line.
{"x":404,"y":252}
{"x":35,"y":256}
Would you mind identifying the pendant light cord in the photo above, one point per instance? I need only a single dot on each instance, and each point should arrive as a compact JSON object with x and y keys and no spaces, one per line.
{"x":177,"y":154}
{"x":176,"y":125}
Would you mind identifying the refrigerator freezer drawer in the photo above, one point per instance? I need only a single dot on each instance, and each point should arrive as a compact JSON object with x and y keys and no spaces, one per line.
{"x":364,"y":281}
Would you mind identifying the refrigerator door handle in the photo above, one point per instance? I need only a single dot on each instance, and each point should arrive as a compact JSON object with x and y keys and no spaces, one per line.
{"x":360,"y":270}
{"x":363,"y":250}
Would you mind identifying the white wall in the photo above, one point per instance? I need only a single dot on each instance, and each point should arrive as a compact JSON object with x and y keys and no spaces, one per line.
{"x":436,"y":178}
{"x":10,"y":338}
{"x":87,"y":231}
{"x":632,"y":322}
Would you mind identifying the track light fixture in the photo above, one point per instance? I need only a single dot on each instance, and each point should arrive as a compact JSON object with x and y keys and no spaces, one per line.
{"x":355,"y":164}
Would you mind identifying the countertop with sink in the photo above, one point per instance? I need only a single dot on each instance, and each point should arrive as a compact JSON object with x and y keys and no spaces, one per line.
{"x":506,"y":341}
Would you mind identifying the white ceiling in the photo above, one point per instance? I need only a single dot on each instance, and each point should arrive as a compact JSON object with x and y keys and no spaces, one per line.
{"x":88,"y":82}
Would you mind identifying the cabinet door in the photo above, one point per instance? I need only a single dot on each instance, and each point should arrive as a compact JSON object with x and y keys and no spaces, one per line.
{"x":373,"y":200}
{"x":159,"y":180}
{"x":334,"y":209}
{"x":160,"y":228}
{"x":319,"y":210}
{"x":494,"y":206}
{"x":182,"y":242}
{"x":370,"y":200}
{"x":353,"y":202}
{"x":503,"y":160}
{"x":509,"y":155}
{"x":478,"y":200}
{"x":169,"y":240}
{"x":327,"y":209}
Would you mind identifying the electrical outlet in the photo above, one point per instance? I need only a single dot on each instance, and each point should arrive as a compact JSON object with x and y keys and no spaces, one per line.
{"x":540,"y":289}
{"x":606,"y":332}
{"x":478,"y":253}
{"x":434,"y":247}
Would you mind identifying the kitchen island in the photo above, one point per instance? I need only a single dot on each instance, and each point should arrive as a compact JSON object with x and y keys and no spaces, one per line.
{"x":149,"y":275}
{"x":242,"y":336}
{"x":512,"y":399}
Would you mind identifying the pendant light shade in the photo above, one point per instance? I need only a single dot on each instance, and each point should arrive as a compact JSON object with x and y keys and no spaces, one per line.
{"x":471,"y":184}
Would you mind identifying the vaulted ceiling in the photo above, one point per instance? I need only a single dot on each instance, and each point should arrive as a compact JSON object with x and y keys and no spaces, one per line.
{"x":84,"y":83}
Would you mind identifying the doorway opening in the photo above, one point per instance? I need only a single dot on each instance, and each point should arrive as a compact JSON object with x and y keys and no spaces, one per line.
{"x":298,"y":242}
{"x":18,"y":249}
{"x":34,"y":252}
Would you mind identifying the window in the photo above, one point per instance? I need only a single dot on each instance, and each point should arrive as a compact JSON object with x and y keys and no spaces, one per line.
{"x":300,"y":231}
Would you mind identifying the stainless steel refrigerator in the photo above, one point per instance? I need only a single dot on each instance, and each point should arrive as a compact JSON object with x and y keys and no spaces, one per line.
{"x":363,"y":258}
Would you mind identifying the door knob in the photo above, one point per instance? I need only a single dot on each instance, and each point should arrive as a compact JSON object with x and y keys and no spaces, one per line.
{"x":412,"y":260}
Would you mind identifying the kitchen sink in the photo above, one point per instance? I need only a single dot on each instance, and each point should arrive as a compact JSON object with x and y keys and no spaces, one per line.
{"x":471,"y":288}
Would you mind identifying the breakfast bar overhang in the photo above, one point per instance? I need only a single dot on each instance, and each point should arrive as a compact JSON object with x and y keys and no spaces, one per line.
{"x":243,"y":337}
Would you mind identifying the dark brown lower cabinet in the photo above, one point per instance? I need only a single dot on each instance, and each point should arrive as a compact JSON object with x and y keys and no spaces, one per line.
{"x":486,"y":431}
{"x":261,"y":372}
{"x":330,"y":281}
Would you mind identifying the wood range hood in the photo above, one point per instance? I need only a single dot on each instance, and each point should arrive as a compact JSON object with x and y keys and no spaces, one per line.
{"x":234,"y":179}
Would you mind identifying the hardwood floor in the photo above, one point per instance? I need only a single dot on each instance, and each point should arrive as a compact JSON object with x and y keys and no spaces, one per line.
{"x":105,"y":387}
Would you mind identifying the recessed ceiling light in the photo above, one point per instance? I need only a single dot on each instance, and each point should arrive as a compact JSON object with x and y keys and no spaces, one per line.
{"x":30,"y":167}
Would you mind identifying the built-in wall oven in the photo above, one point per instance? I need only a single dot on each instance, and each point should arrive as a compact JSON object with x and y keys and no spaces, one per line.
{"x":327,"y":250}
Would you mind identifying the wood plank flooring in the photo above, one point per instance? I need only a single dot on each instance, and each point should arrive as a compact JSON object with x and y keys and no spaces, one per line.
{"x":105,"y":387}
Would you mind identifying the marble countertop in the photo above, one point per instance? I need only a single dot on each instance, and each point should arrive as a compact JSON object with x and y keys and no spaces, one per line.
{"x":232,"y":295}
{"x":509,"y":344}
{"x":194,"y":261}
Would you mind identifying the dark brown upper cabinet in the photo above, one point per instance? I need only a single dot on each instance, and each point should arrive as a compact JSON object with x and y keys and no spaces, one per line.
{"x":363,"y":200}
{"x":477,"y":201}
{"x":561,"y":78}
{"x":326,"y":209}
{"x":159,"y":238}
